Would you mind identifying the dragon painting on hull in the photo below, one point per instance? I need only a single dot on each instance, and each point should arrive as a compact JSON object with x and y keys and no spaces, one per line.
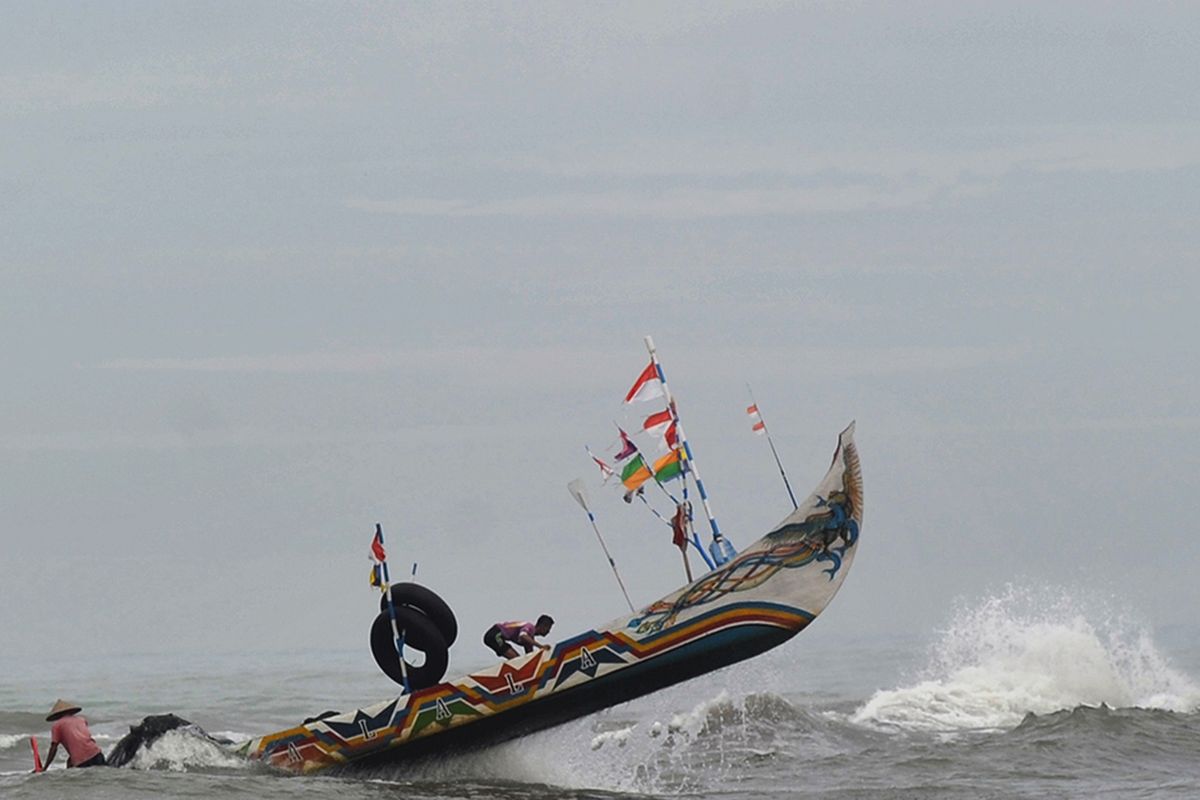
{"x":769,"y":592}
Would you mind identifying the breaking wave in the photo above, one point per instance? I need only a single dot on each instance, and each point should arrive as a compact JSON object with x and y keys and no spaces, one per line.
{"x":1031,"y":652}
{"x":181,"y":750}
{"x":651,"y":747}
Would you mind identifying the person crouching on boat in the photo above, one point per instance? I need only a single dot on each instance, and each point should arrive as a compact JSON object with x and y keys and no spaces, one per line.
{"x":500,"y":635}
{"x":70,"y":730}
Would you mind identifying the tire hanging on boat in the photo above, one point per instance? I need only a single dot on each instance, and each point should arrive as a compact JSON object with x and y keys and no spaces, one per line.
{"x":420,"y":633}
{"x":426,"y":601}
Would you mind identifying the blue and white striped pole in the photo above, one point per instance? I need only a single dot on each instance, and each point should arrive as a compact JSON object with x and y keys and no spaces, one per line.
{"x":721,"y":554}
{"x":695,"y":540}
{"x":387,"y":592}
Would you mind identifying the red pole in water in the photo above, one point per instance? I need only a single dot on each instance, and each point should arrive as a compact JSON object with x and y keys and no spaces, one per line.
{"x":37,"y":758}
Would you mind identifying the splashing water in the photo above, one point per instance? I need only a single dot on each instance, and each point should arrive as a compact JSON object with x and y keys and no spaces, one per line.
{"x":1031,"y":651}
{"x":181,"y":751}
{"x":649,"y":746}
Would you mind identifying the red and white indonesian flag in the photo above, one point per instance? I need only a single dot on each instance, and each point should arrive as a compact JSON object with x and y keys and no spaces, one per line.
{"x":758,"y":425}
{"x":662,"y":427}
{"x":655,"y":424}
{"x":647,"y":386}
{"x":378,"y":554}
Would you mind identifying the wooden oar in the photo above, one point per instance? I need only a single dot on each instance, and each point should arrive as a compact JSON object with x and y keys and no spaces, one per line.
{"x":577,"y":491}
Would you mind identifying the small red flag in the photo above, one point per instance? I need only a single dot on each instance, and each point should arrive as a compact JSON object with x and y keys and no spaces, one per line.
{"x":377,"y":551}
{"x":758,"y":425}
{"x":679,"y":527}
{"x":655,"y":424}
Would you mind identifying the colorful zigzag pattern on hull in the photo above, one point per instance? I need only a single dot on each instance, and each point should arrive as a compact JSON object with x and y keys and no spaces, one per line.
{"x":573,"y":662}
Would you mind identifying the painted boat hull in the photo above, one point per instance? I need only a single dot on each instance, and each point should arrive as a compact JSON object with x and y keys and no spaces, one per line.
{"x":560,"y":707}
{"x":770,"y":592}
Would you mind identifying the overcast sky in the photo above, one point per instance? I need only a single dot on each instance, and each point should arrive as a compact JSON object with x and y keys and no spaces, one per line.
{"x":271,"y":273}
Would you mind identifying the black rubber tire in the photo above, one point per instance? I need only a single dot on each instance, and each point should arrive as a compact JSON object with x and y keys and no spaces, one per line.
{"x":425,"y":599}
{"x":420,"y":634}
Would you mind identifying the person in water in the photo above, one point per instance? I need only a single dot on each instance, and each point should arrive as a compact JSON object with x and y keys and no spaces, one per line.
{"x":70,"y":730}
{"x":503,"y":635}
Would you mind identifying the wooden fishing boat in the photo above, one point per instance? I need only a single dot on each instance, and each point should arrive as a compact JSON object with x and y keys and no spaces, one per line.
{"x":766,"y":594}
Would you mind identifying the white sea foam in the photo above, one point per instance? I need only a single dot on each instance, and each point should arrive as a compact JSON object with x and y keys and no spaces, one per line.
{"x":618,"y":737}
{"x":1024,"y":651}
{"x":665,"y":751}
{"x":693,"y":722}
{"x":8,"y":740}
{"x":610,"y":751}
{"x":181,"y":750}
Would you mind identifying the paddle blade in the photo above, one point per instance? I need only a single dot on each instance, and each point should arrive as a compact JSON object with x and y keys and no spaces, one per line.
{"x":578,"y":491}
{"x":37,"y":757}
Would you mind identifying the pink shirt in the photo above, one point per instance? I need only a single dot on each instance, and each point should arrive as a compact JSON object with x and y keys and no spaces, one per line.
{"x":72,"y":733}
{"x":513,"y":630}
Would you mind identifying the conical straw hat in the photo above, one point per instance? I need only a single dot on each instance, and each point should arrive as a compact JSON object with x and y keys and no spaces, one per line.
{"x":62,"y":707}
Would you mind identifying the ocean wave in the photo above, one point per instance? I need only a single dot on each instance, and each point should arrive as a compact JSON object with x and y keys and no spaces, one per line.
{"x":719,"y":739}
{"x":1098,"y":719}
{"x":1112,"y":744}
{"x":232,"y":736}
{"x":18,"y":721}
{"x":1031,"y":651}
{"x":181,"y":750}
{"x":649,"y":747}
{"x":10,"y":740}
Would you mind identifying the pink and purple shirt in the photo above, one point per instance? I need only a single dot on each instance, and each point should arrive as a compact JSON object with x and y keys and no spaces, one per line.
{"x":512,"y":630}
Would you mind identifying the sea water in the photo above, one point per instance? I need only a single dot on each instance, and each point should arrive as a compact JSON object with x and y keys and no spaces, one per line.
{"x":1019,"y":695}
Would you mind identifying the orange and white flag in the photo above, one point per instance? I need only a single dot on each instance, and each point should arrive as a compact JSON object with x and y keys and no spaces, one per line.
{"x":758,"y":425}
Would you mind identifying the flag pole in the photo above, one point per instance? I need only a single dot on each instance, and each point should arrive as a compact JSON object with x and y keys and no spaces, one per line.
{"x":661,"y":485}
{"x":387,"y":592}
{"x":683,"y":520}
{"x":653,"y":510}
{"x":649,"y":465}
{"x":687,"y":567}
{"x":687,"y":448}
{"x":771,"y":442}
{"x":607,"y":472}
{"x":695,"y":540}
{"x":576,"y":489}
